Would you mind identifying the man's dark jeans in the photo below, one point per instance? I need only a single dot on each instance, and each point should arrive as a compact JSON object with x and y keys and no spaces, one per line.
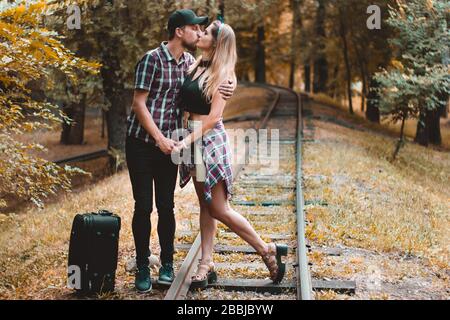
{"x":147,"y":163}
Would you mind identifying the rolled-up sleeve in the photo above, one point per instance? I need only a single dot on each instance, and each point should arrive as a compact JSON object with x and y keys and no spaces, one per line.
{"x":190,"y":60}
{"x":146,"y":70}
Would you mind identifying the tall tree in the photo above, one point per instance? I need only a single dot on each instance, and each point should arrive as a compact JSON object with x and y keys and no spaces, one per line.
{"x":418,"y":80}
{"x":320,"y":61}
{"x":296,"y":8}
{"x":262,"y":38}
{"x":373,"y":102}
{"x":260,"y":60}
{"x":345,"y":49}
{"x":30,"y":54}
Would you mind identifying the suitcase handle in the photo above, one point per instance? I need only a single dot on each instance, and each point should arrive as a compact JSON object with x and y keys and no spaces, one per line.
{"x":104,"y":213}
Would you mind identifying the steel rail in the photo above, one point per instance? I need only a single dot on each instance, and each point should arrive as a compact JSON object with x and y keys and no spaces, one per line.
{"x":304,"y":286}
{"x":84,"y":157}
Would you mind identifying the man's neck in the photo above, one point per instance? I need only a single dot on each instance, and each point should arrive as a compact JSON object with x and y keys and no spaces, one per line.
{"x":175,"y":49}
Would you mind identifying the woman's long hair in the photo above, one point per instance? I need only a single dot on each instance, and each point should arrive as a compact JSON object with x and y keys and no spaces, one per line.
{"x":223,"y":60}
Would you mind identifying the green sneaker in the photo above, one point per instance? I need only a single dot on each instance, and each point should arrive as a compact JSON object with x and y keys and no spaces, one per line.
{"x":143,"y":281}
{"x":166,"y":273}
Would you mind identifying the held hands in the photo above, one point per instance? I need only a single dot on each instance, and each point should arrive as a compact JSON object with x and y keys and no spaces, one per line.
{"x":179,"y":146}
{"x":166,"y":145}
{"x":227,"y":88}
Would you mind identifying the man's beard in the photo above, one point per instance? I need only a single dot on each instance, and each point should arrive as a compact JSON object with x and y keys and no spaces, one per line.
{"x":189,"y":46}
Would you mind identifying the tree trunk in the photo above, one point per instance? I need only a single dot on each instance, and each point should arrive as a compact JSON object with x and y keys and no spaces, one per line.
{"x":307,"y":77}
{"x":333,"y":88}
{"x":373,"y":101}
{"x":292,"y":74}
{"x":296,"y":26}
{"x":429,"y":128}
{"x":103,"y":123}
{"x":364,"y":91}
{"x":320,"y":63}
{"x":342,"y":30}
{"x":401,"y":139}
{"x":116,"y":115}
{"x":260,"y":65}
{"x":320,"y":75}
{"x":74,"y":133}
{"x":445,"y":105}
{"x":445,"y":112}
{"x":362,"y":70}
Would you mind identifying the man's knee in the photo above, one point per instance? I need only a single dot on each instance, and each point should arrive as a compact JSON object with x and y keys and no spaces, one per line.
{"x":143,"y":208}
{"x":165,"y":209}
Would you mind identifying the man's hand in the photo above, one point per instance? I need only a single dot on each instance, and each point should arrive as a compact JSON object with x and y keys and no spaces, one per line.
{"x":227,"y":88}
{"x":166,"y":145}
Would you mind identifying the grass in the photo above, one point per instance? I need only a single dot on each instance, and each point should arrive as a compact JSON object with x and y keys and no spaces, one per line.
{"x":375,"y":203}
{"x":34,"y":245}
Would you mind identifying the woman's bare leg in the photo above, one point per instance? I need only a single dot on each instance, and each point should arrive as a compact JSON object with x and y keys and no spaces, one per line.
{"x":208,"y":225}
{"x":220,"y":209}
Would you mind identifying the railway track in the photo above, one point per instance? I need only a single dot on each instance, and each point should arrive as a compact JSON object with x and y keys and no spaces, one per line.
{"x":84,"y":157}
{"x":274,"y":204}
{"x":275,"y":196}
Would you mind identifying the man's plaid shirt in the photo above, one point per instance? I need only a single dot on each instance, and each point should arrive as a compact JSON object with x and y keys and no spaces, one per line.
{"x":160,"y":74}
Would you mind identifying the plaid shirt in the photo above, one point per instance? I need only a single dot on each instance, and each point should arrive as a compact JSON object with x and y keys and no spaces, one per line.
{"x":160,"y":74}
{"x":217,"y":159}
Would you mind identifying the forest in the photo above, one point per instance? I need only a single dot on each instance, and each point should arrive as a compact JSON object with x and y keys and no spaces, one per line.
{"x":67,"y":71}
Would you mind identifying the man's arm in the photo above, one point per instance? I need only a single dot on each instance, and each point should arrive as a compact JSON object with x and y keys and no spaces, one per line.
{"x":145,"y":74}
{"x":146,"y":120}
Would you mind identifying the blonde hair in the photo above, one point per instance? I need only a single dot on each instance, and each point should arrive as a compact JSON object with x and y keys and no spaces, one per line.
{"x":223,"y":60}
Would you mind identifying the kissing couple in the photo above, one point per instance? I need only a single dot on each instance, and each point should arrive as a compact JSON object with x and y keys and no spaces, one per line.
{"x":173,"y":90}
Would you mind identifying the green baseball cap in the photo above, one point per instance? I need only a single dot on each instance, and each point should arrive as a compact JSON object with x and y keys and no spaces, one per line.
{"x":183,"y":17}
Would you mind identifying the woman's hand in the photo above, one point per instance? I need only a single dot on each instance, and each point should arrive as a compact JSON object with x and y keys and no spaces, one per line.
{"x":180,"y":145}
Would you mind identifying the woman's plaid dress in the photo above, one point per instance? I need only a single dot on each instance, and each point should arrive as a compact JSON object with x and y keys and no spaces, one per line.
{"x":216,"y":158}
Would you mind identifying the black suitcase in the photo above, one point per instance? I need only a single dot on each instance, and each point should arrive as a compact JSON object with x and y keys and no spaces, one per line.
{"x":93,"y":250}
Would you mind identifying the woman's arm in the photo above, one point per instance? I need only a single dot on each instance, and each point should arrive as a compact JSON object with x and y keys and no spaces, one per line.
{"x":185,"y":119}
{"x":217,"y":105}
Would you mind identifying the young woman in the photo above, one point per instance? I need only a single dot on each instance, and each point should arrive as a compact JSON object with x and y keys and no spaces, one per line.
{"x":204,"y":105}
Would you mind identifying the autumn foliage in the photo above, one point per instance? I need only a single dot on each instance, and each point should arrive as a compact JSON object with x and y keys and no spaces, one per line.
{"x":29,"y":54}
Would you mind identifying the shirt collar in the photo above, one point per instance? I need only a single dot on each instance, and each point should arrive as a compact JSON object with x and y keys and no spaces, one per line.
{"x":169,"y":55}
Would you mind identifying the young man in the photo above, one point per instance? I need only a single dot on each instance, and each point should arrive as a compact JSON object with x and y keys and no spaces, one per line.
{"x":154,"y":117}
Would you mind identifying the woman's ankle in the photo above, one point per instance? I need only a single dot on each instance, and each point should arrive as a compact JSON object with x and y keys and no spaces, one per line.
{"x":264,"y":250}
{"x":268,"y":249}
{"x":207,"y":260}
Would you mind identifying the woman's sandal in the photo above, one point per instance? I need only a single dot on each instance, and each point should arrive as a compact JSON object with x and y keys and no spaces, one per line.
{"x":272,"y":259}
{"x":202,"y":281}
